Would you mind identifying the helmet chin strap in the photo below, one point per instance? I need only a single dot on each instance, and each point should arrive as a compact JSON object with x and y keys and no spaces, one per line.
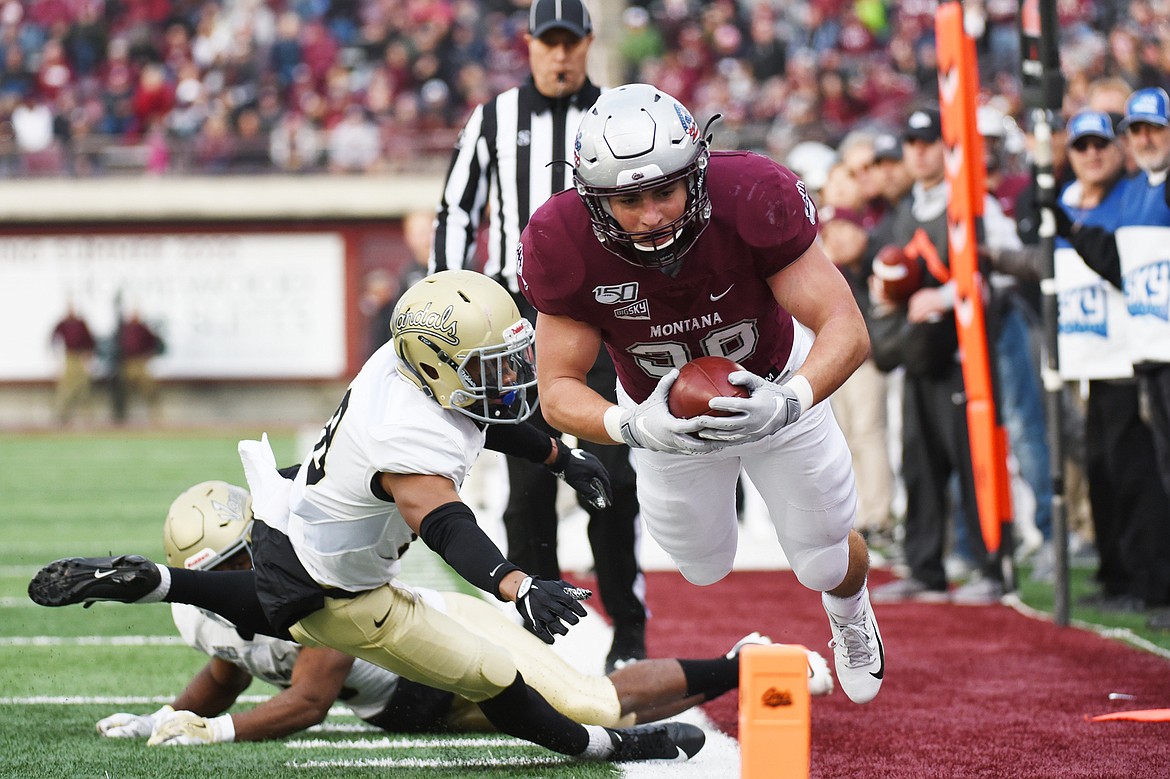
{"x":671,"y":268}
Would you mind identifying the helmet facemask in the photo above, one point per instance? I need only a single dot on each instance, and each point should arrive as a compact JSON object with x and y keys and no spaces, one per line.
{"x":664,"y":246}
{"x":460,"y":339}
{"x":495,"y":379}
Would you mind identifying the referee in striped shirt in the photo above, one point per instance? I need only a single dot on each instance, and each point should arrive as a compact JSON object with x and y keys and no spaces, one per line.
{"x":513,"y":154}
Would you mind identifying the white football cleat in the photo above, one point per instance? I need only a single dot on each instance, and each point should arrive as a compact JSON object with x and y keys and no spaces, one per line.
{"x":858,"y":654}
{"x":820,"y":680}
{"x":751,"y":638}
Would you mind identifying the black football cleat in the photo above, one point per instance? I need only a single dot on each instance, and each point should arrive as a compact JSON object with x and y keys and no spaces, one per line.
{"x":674,"y":741}
{"x":125,"y":579}
{"x":629,"y":646}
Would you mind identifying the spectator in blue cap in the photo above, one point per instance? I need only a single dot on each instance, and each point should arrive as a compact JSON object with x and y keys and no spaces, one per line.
{"x":1095,"y":124}
{"x":1131,"y":258}
{"x":1147,"y":106}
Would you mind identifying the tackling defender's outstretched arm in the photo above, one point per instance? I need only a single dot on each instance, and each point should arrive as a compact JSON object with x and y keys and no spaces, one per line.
{"x":317,"y":679}
{"x":431,"y":507}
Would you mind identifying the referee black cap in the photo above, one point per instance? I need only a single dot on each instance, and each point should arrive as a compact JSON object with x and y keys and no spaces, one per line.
{"x":571,"y":15}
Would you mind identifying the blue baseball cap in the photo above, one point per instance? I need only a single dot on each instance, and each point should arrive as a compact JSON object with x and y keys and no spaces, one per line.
{"x":1150,"y":105}
{"x":1095,"y":123}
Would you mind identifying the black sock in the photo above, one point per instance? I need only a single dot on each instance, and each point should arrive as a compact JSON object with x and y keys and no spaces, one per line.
{"x":522,"y":712}
{"x":710,"y":678}
{"x":230,"y":594}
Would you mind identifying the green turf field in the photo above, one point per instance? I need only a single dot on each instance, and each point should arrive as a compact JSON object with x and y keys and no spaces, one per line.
{"x":63,"y":669}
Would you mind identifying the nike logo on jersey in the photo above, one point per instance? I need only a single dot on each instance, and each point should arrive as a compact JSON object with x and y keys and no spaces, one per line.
{"x":721,"y":295}
{"x":492,"y":572}
{"x":380,"y":622}
{"x":881,"y":671}
{"x":103,"y":574}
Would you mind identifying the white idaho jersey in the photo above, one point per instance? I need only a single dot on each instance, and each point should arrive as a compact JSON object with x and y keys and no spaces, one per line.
{"x":367,"y":688}
{"x":343,"y":533}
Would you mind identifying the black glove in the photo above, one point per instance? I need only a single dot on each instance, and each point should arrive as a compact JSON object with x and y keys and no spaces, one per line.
{"x":584,"y":473}
{"x":544,"y":603}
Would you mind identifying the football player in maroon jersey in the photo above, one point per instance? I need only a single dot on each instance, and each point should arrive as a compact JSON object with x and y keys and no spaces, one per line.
{"x":667,"y":252}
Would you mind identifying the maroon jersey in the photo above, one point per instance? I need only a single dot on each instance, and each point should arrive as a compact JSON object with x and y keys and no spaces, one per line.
{"x":74,"y":334}
{"x":719,"y":303}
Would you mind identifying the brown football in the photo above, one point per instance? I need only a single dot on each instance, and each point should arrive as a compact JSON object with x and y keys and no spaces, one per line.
{"x":700,"y":380}
{"x":899,"y":274}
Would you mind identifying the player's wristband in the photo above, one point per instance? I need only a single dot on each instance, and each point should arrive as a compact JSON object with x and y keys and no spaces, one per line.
{"x":162,"y":713}
{"x":223,"y":728}
{"x":613,"y":423}
{"x":803,"y":391}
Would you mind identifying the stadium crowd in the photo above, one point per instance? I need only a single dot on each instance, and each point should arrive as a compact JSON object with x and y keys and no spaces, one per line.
{"x":239,"y":86}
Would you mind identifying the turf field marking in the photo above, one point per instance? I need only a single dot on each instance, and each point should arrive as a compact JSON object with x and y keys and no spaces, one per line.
{"x":410,"y":762}
{"x":405,"y":743}
{"x":91,"y":641}
{"x":1120,"y":634}
{"x":11,"y":602}
{"x":105,"y":700}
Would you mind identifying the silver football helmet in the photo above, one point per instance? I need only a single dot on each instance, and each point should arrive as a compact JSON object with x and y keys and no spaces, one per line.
{"x":460,"y":338}
{"x":636,"y":138}
{"x":207,"y":524}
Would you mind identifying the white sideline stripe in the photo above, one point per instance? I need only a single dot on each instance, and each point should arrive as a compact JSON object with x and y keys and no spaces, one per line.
{"x":11,"y":602}
{"x":1119,"y":634}
{"x":91,"y":641}
{"x":410,"y":762}
{"x":343,"y":727}
{"x":106,"y":700}
{"x":405,"y":743}
{"x":131,"y":700}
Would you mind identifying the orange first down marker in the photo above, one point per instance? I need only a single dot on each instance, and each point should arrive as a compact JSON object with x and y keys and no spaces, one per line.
{"x":774,"y":724}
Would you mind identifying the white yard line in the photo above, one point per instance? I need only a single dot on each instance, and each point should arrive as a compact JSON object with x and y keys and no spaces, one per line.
{"x":105,"y":700}
{"x":91,"y":641}
{"x":404,"y":743}
{"x":410,"y":762}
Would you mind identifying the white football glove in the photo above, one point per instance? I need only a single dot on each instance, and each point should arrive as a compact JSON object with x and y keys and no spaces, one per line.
{"x":770,"y":408}
{"x":123,"y":725}
{"x":820,"y":680}
{"x":186,"y":728}
{"x":650,"y":425}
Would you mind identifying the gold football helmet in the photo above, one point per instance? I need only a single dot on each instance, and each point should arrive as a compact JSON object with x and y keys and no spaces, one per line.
{"x":460,"y":338}
{"x":207,"y":524}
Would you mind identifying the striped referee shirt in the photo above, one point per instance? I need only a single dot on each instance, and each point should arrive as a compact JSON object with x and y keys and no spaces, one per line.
{"x":502,"y":161}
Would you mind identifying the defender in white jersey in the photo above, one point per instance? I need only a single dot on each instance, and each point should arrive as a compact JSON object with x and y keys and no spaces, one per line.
{"x":208,"y":529}
{"x":386,"y":470}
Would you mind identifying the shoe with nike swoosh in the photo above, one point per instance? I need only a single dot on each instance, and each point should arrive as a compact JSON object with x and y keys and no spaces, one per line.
{"x":674,"y":741}
{"x":858,"y":654}
{"x":125,"y":578}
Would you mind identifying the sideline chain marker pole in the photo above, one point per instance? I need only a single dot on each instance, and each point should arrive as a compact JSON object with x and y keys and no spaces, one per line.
{"x":775,"y":728}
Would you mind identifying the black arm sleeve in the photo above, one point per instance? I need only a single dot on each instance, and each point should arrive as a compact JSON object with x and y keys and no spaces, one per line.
{"x":452,"y":532}
{"x":1098,"y":248}
{"x":525,"y":441}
